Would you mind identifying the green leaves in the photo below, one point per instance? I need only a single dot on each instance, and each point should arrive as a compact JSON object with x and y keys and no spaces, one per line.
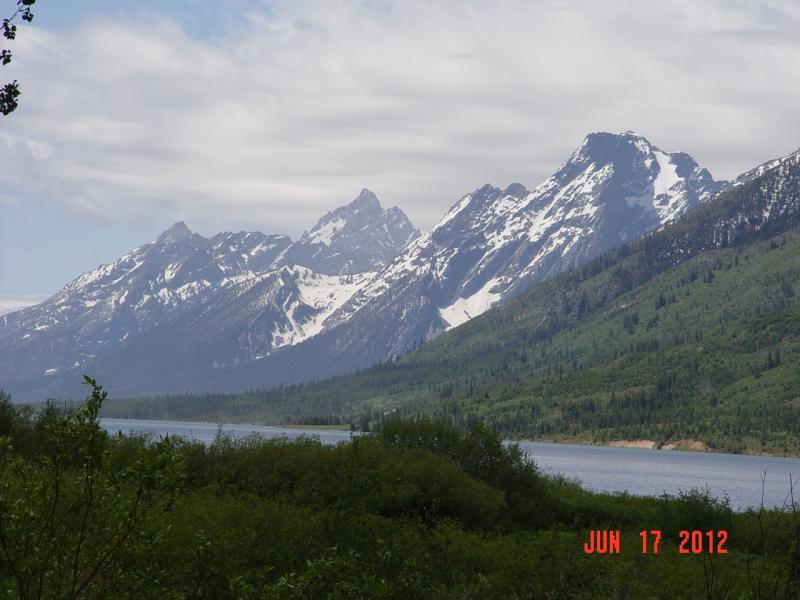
{"x":417,"y":510}
{"x":9,"y":93}
{"x":66,"y":514}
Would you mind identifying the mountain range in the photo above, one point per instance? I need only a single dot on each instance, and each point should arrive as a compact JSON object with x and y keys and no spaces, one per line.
{"x":242,"y":310}
{"x":688,"y":336}
{"x":239,"y":295}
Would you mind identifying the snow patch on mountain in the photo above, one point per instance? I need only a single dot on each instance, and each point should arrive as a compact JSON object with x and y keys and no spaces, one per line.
{"x":324,"y":234}
{"x":667,"y":177}
{"x":464,"y":309}
{"x":322,"y":293}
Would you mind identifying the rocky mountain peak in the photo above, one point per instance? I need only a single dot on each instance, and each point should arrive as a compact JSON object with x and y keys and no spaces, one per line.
{"x":602,"y":147}
{"x":496,"y":243}
{"x":517,"y":190}
{"x":366,"y":199}
{"x":358,"y":237}
{"x":177,"y":232}
{"x":659,"y":186}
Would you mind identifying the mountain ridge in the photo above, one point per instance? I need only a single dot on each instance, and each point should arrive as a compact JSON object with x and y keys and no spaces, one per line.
{"x":690,"y":332}
{"x":492,"y":245}
{"x":169,"y":285}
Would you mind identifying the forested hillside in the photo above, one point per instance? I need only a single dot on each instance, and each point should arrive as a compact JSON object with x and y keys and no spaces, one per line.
{"x":690,"y":333}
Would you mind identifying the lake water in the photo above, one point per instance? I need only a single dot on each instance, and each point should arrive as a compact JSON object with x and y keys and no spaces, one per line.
{"x":634,"y":470}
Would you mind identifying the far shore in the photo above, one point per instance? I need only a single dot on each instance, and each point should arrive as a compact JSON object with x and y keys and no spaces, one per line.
{"x":682,"y":445}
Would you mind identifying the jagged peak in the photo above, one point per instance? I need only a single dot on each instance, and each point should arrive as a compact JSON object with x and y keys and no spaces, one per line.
{"x":628,"y":133}
{"x":357,"y":216}
{"x":602,"y":148}
{"x":366,"y":198}
{"x":601,"y":139}
{"x":178,"y":231}
{"x":517,"y":190}
{"x":396,"y":210}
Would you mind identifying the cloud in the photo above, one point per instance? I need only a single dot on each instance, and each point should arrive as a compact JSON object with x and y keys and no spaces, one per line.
{"x":8,"y":200}
{"x":9,"y":304}
{"x":294,"y":107}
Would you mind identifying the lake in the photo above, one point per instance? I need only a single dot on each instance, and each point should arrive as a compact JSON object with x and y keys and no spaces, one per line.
{"x":633,"y":470}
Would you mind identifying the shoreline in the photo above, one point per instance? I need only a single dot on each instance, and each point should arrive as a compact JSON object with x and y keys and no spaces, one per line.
{"x":681,"y":445}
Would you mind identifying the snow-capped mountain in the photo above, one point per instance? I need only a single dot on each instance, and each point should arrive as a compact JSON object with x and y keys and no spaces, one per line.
{"x":355,"y":238}
{"x":233,"y":297}
{"x":495,"y":243}
{"x":247,"y":309}
{"x":514,"y":237}
{"x":747,"y":176}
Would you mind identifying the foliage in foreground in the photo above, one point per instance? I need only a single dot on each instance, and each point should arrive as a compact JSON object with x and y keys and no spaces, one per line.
{"x":417,"y":510}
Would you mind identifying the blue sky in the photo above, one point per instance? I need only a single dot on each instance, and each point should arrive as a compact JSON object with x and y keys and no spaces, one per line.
{"x":200,"y":18}
{"x":252,"y":115}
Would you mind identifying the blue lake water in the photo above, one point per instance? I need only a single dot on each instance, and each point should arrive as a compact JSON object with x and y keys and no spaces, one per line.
{"x":633,"y":470}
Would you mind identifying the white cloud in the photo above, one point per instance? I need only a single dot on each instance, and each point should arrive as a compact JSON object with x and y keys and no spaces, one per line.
{"x":9,"y":304}
{"x":295,"y":109}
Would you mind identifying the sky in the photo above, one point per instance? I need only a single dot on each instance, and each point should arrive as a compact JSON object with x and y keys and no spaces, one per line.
{"x":237,"y":114}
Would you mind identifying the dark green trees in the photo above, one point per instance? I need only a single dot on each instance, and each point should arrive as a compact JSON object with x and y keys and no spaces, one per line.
{"x":73,"y":500}
{"x":9,"y":93}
